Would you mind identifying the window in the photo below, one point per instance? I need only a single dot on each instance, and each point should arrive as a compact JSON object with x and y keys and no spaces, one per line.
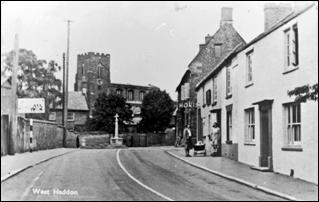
{"x":214,"y":90}
{"x":185,"y":90}
{"x":204,"y":100}
{"x":249,"y":77}
{"x":118,"y":92}
{"x":218,"y":50}
{"x":142,"y":93}
{"x":182,"y":92}
{"x":293,"y":124}
{"x":99,"y":70}
{"x":52,"y":116}
{"x":71,"y":116}
{"x":291,"y":48}
{"x":228,"y":84}
{"x":130,"y":95}
{"x":229,"y":126}
{"x":82,"y":68}
{"x":250,"y":125}
{"x":208,"y":97}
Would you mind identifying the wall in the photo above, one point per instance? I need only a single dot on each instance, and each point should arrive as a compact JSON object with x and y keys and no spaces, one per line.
{"x":46,"y":135}
{"x":271,"y":82}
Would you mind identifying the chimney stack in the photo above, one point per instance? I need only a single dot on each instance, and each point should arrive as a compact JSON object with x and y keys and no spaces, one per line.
{"x":273,"y":13}
{"x":227,"y":16}
{"x":207,"y":38}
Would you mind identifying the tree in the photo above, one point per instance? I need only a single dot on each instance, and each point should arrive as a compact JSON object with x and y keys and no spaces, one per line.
{"x":156,"y":111}
{"x":305,"y":93}
{"x":105,"y":108}
{"x":36,"y":79}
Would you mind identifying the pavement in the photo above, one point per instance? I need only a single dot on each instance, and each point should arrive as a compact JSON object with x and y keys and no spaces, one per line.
{"x":131,"y":174}
{"x":12,"y":165}
{"x":277,"y":184}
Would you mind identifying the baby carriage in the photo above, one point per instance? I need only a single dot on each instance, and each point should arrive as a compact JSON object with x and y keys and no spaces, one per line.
{"x":199,"y":148}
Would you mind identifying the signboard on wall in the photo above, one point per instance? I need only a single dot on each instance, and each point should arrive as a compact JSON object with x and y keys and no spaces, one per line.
{"x":31,"y":105}
{"x":187,"y":104}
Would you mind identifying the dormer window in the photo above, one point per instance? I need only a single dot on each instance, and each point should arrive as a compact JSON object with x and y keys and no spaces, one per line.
{"x":218,"y":50}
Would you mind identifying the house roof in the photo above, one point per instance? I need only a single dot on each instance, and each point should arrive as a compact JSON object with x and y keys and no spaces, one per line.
{"x":219,"y":65}
{"x":228,"y":26}
{"x":183,"y":78}
{"x":76,"y":101}
{"x":242,"y":47}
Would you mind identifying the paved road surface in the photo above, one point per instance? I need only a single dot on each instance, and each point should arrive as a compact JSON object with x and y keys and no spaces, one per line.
{"x":96,"y":175}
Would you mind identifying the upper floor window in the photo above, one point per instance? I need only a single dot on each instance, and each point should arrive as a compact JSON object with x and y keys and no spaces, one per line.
{"x":291,"y":47}
{"x":185,"y":91}
{"x":250,"y":125}
{"x":71,"y":116}
{"x":228,"y":80}
{"x":99,"y":70}
{"x":118,"y":92}
{"x":208,"y":97}
{"x":142,"y":93}
{"x":218,"y":50}
{"x":293,"y":124}
{"x":203,"y":92}
{"x":214,"y":90}
{"x":249,"y":65}
{"x":130,"y":95}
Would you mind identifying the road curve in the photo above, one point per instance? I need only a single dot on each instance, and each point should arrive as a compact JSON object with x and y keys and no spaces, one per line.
{"x":97,"y":175}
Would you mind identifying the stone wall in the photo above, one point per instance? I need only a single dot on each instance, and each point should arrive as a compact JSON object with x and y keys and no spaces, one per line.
{"x":46,"y":135}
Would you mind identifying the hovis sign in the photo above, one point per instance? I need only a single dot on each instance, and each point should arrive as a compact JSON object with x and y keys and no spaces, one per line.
{"x":31,"y":105}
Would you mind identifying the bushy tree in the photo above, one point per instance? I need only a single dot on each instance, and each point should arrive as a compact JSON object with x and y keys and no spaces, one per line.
{"x":156,"y":111}
{"x":105,"y":108}
{"x":36,"y":79}
{"x":305,"y":92}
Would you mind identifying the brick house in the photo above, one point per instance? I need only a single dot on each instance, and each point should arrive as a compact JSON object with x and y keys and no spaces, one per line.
{"x":210,"y":53}
{"x":260,"y":124}
{"x":78,"y":112}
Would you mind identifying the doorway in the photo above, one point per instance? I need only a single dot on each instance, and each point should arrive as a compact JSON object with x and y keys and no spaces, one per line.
{"x":265,"y":113}
{"x":217,"y":118}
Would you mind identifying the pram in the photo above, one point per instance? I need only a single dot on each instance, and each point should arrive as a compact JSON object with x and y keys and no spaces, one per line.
{"x":199,"y":148}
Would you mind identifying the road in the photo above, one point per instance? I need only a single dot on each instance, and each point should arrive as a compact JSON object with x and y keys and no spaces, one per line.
{"x":149,"y":174}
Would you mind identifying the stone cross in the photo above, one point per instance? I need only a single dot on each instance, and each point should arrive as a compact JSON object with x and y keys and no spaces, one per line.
{"x":116,"y":134}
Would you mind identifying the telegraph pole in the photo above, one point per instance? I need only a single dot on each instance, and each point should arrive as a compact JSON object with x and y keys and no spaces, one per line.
{"x":14,"y":124}
{"x":64,"y":107}
{"x":66,"y":76}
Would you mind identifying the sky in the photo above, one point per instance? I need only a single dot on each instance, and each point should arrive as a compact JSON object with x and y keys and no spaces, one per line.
{"x":149,"y":42}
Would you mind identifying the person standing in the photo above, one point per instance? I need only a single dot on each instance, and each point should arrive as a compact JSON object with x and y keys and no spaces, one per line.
{"x":188,"y":140}
{"x":215,"y":138}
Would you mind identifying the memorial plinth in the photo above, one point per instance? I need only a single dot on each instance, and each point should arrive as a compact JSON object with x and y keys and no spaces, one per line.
{"x":116,"y":140}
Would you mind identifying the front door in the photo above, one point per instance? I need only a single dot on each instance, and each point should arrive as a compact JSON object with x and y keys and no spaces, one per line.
{"x":265,"y":159}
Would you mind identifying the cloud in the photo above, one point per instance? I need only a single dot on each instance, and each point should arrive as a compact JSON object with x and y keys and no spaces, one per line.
{"x":164,"y":24}
{"x":178,"y":7}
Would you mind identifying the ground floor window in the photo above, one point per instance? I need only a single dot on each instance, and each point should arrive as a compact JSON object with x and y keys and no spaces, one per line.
{"x":249,"y":125}
{"x":229,"y":126}
{"x":293,"y":124}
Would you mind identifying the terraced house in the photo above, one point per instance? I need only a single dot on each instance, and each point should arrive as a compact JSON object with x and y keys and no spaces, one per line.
{"x":260,"y":124}
{"x":210,"y":54}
